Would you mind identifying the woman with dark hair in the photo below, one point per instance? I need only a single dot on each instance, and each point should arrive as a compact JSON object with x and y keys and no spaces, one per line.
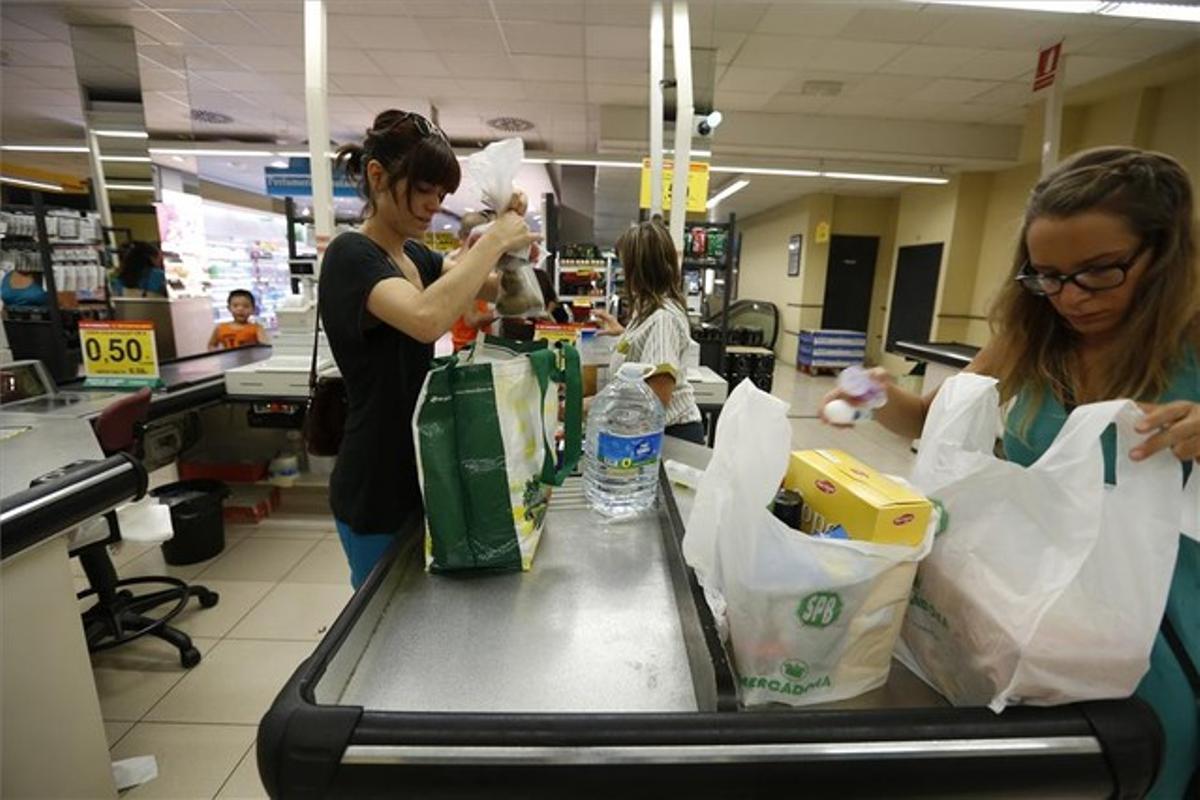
{"x":1103,"y":303}
{"x":141,"y":272}
{"x":385,"y":299}
{"x":659,"y":333}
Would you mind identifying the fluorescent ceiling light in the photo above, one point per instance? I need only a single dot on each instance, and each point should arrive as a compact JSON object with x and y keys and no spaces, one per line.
{"x":536,"y":160}
{"x":50,"y":187}
{"x":42,"y":148}
{"x":865,"y":176}
{"x":279,"y":163}
{"x":702,"y":153}
{"x":729,"y":190}
{"x":1175,"y":12}
{"x":127,"y":159}
{"x":793,"y":173}
{"x":293,"y":154}
{"x":178,"y":151}
{"x":129,"y":187}
{"x":123,"y":134}
{"x":583,"y":162}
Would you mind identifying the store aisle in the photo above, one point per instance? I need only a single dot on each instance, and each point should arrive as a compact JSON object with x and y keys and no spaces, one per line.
{"x":282,"y":583}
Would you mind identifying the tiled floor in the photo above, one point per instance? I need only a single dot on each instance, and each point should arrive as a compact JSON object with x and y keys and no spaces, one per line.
{"x":282,"y":583}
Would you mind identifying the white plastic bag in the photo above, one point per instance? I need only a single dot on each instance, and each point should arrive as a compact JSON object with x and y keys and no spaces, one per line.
{"x":811,"y":620}
{"x":1047,"y":587}
{"x":494,"y":169}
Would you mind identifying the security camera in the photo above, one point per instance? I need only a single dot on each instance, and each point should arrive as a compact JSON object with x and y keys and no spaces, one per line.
{"x":705,"y":124}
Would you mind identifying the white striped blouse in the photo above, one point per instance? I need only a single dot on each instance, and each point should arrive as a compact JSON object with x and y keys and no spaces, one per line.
{"x":662,"y":340}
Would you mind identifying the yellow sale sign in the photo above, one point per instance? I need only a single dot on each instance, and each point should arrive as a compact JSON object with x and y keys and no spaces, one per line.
{"x":697,"y":185}
{"x":119,"y":353}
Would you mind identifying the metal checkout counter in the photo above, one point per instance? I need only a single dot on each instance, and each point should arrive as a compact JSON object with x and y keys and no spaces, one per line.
{"x":600,"y":673}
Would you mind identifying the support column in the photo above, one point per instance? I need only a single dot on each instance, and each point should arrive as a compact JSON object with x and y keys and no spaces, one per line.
{"x":682,"y":44}
{"x":657,"y":46}
{"x":316,"y":79}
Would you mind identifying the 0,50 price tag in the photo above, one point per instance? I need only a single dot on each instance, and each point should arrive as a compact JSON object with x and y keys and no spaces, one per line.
{"x":119,"y":353}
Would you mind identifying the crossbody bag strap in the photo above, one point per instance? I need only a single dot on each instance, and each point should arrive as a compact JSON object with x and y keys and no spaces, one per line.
{"x":312,"y":369}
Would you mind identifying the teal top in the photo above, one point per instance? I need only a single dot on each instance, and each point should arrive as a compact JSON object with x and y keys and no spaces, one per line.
{"x":152,"y":284}
{"x":31,"y":296}
{"x":1165,"y":686}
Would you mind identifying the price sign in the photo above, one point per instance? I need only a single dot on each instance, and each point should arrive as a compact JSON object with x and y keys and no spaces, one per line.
{"x":697,"y":185}
{"x":119,"y":354}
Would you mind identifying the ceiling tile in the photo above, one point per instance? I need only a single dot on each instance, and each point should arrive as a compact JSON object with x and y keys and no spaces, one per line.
{"x":543,"y":11}
{"x":726,"y":43}
{"x":791,"y":103}
{"x":372,"y":85}
{"x":930,"y":60}
{"x":283,"y":28}
{"x":465,"y":36}
{"x":162,"y":80}
{"x":848,"y":56}
{"x":406,"y":64}
{"x":556,"y":92}
{"x":1084,"y":68}
{"x":1005,"y":30}
{"x":616,"y":95}
{"x":606,"y":41}
{"x":863,"y":107}
{"x":908,"y":23}
{"x":780,"y":52}
{"x":46,"y":77}
{"x":807,"y":19}
{"x":952,"y":90}
{"x":541,"y":38}
{"x":618,"y":71}
{"x":965,"y":112}
{"x":472,"y":65}
{"x":1006,"y":94}
{"x":749,"y":79}
{"x":1011,"y":116}
{"x":448,"y":9}
{"x":207,"y":59}
{"x":218,"y":27}
{"x":495,"y":89}
{"x":161,"y":56}
{"x":11,"y":31}
{"x":38,"y":53}
{"x":884,"y":87}
{"x":351,"y":61}
{"x":231,"y":81}
{"x":161,"y":28}
{"x":743,"y":101}
{"x":27,"y":98}
{"x":440,"y":88}
{"x":626,"y":13}
{"x":997,"y":65}
{"x":267,"y":58}
{"x":549,"y":68}
{"x":740,"y":17}
{"x":1142,"y":42}
{"x":377,"y":33}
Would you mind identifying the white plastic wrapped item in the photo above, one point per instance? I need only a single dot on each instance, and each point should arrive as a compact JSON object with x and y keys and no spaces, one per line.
{"x":811,"y":620}
{"x":1048,"y":586}
{"x":493,"y":170}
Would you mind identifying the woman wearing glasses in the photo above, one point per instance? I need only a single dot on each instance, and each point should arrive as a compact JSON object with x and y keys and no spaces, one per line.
{"x":384,"y":300}
{"x":1105,"y":304}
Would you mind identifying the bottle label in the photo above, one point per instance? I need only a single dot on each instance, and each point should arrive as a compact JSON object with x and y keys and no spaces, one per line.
{"x":627,"y":452}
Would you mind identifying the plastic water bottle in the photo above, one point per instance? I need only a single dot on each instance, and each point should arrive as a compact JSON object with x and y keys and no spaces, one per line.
{"x":624,"y":445}
{"x":868,"y":395}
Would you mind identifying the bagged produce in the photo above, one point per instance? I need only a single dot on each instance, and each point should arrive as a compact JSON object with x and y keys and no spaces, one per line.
{"x":811,"y":620}
{"x":1048,"y":586}
{"x":494,"y":169}
{"x":485,"y":429}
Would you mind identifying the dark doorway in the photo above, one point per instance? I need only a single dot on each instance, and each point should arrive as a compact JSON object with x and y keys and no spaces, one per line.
{"x":913,"y":293}
{"x":849,"y":282}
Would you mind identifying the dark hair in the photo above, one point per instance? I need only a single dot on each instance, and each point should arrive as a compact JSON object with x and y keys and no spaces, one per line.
{"x":246,"y":293}
{"x":651,"y":265}
{"x":547,"y":286}
{"x":136,"y":259}
{"x":409,"y":147}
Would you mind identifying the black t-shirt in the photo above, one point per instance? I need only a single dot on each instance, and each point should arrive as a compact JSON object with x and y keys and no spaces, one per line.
{"x":374,"y":486}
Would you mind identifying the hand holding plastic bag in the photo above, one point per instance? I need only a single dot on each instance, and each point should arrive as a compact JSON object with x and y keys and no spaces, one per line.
{"x":494,"y":169}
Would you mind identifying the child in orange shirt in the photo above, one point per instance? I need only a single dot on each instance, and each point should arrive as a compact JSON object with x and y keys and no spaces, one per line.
{"x":241,"y":332}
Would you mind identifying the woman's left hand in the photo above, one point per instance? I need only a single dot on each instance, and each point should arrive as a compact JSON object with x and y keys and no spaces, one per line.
{"x":518,"y":203}
{"x":1178,"y":426}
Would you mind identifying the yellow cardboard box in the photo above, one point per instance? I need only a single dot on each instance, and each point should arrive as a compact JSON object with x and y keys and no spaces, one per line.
{"x":840,"y":490}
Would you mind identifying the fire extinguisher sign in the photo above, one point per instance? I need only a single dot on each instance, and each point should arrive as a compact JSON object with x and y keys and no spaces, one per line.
{"x":1047,"y":66}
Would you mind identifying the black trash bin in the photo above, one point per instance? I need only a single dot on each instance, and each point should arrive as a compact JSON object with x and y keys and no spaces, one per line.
{"x":197,"y":518}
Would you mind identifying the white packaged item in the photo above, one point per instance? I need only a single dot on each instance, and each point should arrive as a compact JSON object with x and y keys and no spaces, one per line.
{"x":493,"y":170}
{"x":1047,"y":586}
{"x":811,"y":620}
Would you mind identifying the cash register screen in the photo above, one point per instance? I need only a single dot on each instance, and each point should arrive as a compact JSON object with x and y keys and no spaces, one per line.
{"x":22,"y":381}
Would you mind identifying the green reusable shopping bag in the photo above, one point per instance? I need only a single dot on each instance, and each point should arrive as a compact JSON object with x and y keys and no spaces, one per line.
{"x":484,"y":426}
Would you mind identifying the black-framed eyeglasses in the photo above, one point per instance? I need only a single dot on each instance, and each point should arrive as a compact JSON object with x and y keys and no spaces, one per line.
{"x":1093,"y":279}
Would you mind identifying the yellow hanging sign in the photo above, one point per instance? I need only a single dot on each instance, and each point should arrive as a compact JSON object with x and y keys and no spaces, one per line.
{"x":697,"y":185}
{"x":822,"y":235}
{"x":119,"y":353}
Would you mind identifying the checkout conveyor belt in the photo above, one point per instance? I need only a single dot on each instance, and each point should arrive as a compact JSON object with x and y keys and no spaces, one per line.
{"x":600,"y":674}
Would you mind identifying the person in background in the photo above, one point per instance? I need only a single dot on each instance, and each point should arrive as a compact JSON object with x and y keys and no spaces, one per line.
{"x":241,"y":332}
{"x":23,"y":290}
{"x":1104,"y":303}
{"x":479,"y":315}
{"x":141,"y":272}
{"x":385,"y":299}
{"x":659,"y":333}
{"x":557,"y":311}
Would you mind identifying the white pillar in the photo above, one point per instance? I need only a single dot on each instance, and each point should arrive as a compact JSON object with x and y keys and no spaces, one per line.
{"x":657,"y":47}
{"x":1052,"y":125}
{"x":682,"y":42}
{"x":99,"y":186}
{"x":316,"y":108}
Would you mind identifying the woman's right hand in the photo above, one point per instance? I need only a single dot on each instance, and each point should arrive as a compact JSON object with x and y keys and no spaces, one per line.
{"x":511,"y":232}
{"x":879,"y":375}
{"x":608,"y":323}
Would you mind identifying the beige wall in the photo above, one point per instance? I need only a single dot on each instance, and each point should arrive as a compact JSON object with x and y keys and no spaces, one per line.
{"x":1176,"y":126}
{"x":871,"y":216}
{"x":763,"y":266}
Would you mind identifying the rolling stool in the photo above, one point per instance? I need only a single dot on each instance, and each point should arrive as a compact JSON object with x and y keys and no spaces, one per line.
{"x":119,"y":616}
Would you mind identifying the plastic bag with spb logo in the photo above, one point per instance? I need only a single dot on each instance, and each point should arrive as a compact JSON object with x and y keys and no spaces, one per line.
{"x":811,"y":620}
